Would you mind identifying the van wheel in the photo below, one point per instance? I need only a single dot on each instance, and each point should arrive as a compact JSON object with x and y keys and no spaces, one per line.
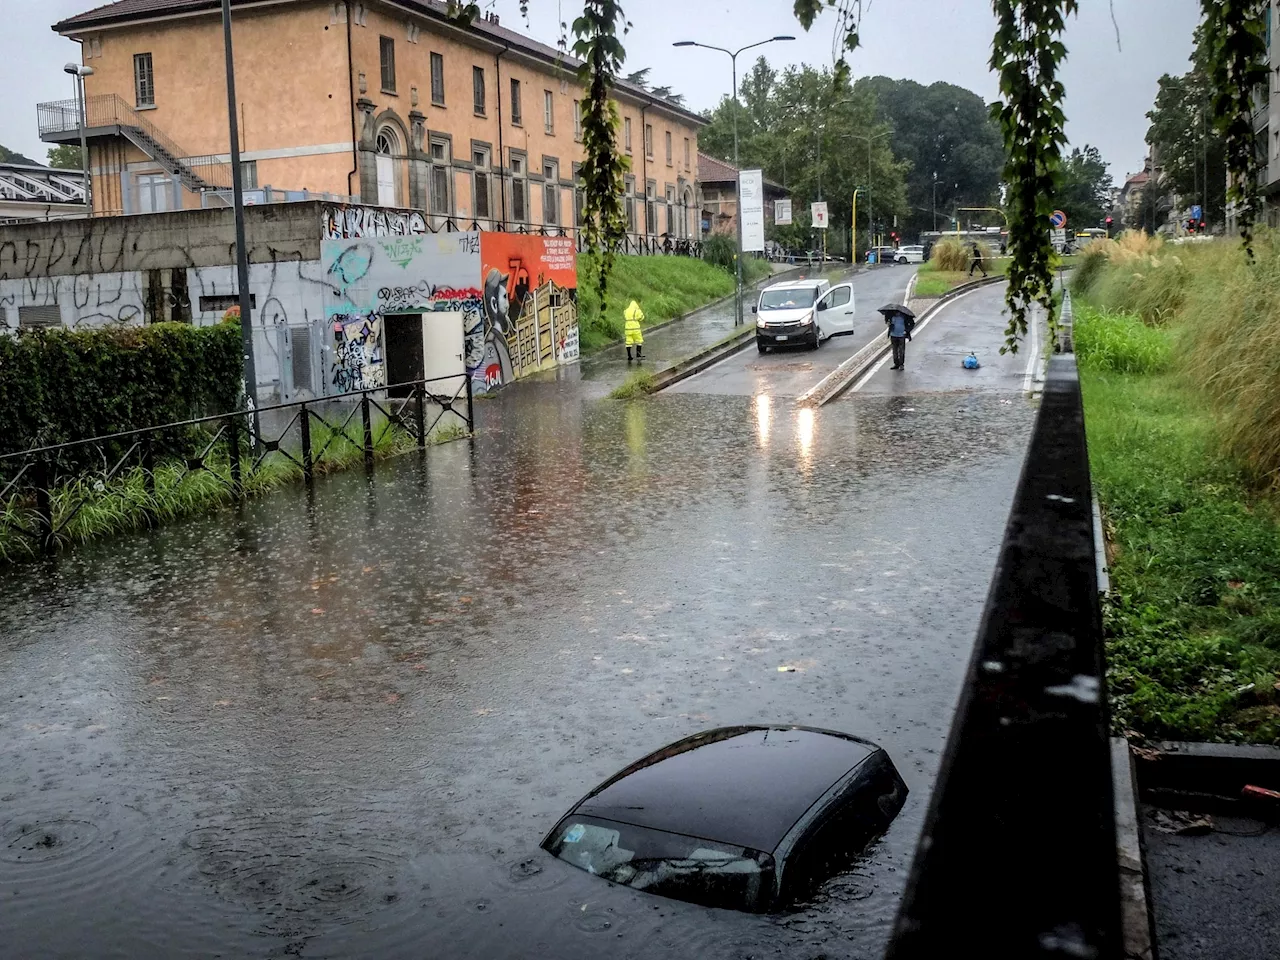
{"x":761,"y":347}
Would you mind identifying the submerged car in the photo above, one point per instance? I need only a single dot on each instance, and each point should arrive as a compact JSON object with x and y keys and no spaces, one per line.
{"x":748,"y":818}
{"x":802,"y":312}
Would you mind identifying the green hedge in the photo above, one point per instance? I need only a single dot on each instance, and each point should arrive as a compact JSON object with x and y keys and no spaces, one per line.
{"x":62,"y":385}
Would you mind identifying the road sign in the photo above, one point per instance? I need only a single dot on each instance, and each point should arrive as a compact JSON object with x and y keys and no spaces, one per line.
{"x":782,"y":212}
{"x":818,"y":209}
{"x":1059,"y":238}
{"x":1058,"y":220}
{"x":1195,"y":211}
{"x":751,"y":190}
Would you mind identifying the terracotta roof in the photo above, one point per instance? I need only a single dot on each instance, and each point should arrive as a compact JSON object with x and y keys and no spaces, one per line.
{"x":711,"y":170}
{"x":122,"y":11}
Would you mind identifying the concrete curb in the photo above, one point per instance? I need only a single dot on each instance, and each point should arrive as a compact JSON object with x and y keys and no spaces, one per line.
{"x":703,"y":359}
{"x":1135,"y":912}
{"x":843,"y":376}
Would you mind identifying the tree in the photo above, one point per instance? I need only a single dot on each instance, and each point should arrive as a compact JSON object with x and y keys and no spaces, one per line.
{"x":65,"y":156}
{"x":798,"y":128}
{"x":12,"y":156}
{"x":945,"y":130}
{"x":1084,"y":189}
{"x":1190,"y":148}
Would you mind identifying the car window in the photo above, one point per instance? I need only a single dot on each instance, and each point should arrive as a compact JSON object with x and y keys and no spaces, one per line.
{"x":668,"y":864}
{"x":788,"y":299}
{"x":838,"y":297}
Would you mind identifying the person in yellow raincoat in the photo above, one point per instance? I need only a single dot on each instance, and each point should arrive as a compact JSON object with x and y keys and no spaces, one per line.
{"x":632,"y":316}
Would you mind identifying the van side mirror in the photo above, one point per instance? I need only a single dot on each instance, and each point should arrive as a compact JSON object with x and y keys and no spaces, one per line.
{"x":822,"y":304}
{"x":755,"y":308}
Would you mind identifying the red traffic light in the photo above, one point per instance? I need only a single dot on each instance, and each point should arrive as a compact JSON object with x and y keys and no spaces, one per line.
{"x":1201,"y":224}
{"x":1108,"y":221}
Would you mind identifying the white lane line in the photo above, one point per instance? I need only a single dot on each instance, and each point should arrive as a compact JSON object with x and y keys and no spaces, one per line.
{"x":923,"y":323}
{"x":906,"y":294}
{"x":1035,"y":350}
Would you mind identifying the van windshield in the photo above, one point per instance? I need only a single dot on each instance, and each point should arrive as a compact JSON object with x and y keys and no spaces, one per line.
{"x":792,"y":299}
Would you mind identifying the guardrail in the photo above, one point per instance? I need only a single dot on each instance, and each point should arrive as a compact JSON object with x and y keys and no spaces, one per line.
{"x":1017,"y":858}
{"x":47,"y":488}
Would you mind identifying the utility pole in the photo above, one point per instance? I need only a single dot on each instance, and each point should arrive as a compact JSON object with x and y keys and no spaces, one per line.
{"x":78,"y":73}
{"x":242,"y":250}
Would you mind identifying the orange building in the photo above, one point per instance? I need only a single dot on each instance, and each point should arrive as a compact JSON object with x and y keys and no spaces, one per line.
{"x":378,"y":102}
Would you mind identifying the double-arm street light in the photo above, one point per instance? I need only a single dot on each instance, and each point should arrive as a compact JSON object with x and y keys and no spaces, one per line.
{"x":733,"y":57}
{"x":79,"y":73}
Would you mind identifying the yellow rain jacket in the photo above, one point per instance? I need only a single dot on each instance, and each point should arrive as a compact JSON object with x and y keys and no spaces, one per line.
{"x":633,"y":315}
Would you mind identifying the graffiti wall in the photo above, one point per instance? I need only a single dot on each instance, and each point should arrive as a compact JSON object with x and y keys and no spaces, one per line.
{"x":530,"y":287}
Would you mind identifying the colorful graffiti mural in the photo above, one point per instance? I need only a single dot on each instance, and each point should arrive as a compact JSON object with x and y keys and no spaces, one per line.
{"x":517,"y":294}
{"x":530,"y":302}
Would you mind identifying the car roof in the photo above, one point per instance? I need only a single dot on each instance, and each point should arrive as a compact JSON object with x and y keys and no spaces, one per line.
{"x":794,"y":284}
{"x":744,"y":785}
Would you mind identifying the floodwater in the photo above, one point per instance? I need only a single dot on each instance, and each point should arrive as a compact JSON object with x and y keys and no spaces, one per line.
{"x":338,"y":725}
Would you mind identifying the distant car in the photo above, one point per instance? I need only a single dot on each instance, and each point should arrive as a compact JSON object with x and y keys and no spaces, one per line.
{"x":911,"y":253}
{"x":747,"y":818}
{"x":802,"y":312}
{"x":881,"y":255}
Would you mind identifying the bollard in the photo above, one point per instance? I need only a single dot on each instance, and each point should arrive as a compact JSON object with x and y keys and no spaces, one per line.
{"x":420,"y":414}
{"x":308,"y":468}
{"x":44,"y":505}
{"x":233,"y":455}
{"x":471,"y":410}
{"x":368,"y":431}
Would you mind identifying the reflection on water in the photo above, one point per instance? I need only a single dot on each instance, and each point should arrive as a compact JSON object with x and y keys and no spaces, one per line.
{"x":339,"y":726}
{"x":804,"y":438}
{"x":764,"y":414}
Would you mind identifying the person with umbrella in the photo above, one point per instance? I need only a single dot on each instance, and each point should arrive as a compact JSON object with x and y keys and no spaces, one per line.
{"x":900,"y":321}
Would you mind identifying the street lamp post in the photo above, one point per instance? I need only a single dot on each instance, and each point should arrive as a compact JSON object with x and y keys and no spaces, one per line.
{"x":242,"y":251}
{"x":871,"y":228}
{"x":79,"y":72}
{"x":935,"y":201}
{"x":733,"y":58}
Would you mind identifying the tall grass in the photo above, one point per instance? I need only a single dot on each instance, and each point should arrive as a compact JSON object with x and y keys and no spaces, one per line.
{"x":1119,"y":342}
{"x":952,"y":255}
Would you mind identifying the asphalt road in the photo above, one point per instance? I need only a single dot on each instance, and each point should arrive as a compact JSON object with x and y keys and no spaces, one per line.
{"x":790,"y":372}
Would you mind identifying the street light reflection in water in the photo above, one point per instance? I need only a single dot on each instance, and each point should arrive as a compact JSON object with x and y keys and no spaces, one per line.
{"x":764,"y":414}
{"x":804,"y":438}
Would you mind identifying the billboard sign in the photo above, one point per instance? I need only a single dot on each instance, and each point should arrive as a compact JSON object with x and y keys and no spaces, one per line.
{"x":751,"y":209}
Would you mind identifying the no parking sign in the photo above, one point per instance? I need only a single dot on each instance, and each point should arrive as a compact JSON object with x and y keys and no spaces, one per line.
{"x":1058,"y":220}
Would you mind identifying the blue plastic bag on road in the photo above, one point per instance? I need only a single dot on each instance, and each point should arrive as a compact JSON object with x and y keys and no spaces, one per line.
{"x":970,"y":362}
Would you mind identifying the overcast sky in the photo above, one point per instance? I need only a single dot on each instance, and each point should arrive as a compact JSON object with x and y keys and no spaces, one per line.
{"x":1109,"y":88}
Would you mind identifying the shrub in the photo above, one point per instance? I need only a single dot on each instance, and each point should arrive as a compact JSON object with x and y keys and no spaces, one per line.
{"x":62,"y":385}
{"x":1090,"y":263}
{"x":953,"y":255}
{"x":1119,"y":342}
{"x":720,"y":249}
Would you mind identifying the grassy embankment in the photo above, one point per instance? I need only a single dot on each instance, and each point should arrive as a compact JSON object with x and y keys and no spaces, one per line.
{"x":1178,"y":349}
{"x":665,"y":287}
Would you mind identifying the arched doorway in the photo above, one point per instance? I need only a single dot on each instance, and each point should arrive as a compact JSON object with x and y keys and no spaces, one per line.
{"x":689,"y":215}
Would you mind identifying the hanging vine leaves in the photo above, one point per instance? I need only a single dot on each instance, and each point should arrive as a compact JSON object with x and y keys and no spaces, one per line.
{"x":1026,"y":54}
{"x":1236,"y":47}
{"x":604,"y":222}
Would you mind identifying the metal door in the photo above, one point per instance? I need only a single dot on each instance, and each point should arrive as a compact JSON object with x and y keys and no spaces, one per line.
{"x":835,"y":310}
{"x":386,"y":181}
{"x":445,"y":369}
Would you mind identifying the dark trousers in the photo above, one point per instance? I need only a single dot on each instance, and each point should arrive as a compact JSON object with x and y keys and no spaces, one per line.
{"x":899,"y":350}
{"x":977,"y":265}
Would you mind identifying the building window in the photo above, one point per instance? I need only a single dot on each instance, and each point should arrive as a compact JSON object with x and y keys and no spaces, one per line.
{"x":651,"y":207}
{"x":477,"y":90}
{"x":388,"y":49}
{"x":144,"y":80}
{"x":687,"y":165}
{"x":437,"y":79}
{"x":154,"y":191}
{"x":629,"y":192}
{"x":671,"y":210}
{"x":548,"y":112}
{"x":626,"y":134}
{"x":667,"y":137}
{"x":519,"y":188}
{"x":551,"y":193}
{"x":515,"y":102}
{"x":648,"y":140}
{"x":482,"y":186}
{"x":577,"y":120}
{"x":579,"y":198}
{"x":441,"y":201}
{"x":249,"y":174}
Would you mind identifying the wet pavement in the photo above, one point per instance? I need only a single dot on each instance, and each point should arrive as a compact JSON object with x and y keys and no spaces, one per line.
{"x":789,"y":372}
{"x":338,"y":724}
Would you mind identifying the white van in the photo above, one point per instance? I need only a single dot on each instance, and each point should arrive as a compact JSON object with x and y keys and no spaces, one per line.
{"x":802,"y":312}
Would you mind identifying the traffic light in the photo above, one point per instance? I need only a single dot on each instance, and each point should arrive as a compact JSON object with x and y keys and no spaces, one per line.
{"x":1191,"y":226}
{"x":1202,"y":224}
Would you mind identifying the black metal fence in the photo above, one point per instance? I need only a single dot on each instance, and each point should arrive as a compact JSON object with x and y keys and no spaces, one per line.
{"x":46,"y":490}
{"x":1018,"y":854}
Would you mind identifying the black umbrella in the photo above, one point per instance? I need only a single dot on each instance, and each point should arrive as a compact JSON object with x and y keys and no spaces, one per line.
{"x":889,"y":309}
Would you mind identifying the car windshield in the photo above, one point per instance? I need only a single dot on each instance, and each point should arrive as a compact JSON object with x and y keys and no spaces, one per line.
{"x":668,"y":864}
{"x":788,"y":299}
